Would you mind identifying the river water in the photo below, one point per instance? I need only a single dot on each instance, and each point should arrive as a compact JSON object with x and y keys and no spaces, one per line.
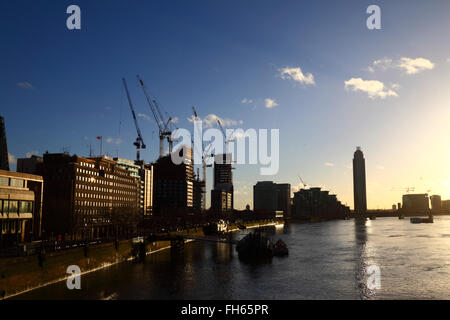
{"x":326,"y":260}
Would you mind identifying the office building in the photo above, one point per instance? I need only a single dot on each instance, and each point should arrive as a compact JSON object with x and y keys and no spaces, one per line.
{"x":174,"y":185}
{"x":436,"y":203}
{"x":221,"y":201}
{"x":316,"y":203}
{"x":143,"y":172}
{"x":359,"y":182}
{"x":29,"y":165}
{"x":88,"y":198}
{"x":4,"y":162}
{"x":21,"y":197}
{"x":446,"y":206}
{"x":416,"y":203}
{"x":223,"y":183}
{"x":270,"y":197}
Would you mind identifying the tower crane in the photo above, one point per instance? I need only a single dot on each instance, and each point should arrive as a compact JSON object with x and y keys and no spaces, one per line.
{"x":163,"y":126}
{"x":205,"y":156}
{"x":407,"y":190}
{"x":301,"y":180}
{"x":227,"y":139}
{"x":139,"y":143}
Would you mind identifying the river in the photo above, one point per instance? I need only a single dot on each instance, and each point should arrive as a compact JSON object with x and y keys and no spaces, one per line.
{"x":326,"y":260}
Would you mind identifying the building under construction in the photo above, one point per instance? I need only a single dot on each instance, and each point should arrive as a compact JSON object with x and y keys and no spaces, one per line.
{"x":174,"y":185}
{"x":222,"y":199}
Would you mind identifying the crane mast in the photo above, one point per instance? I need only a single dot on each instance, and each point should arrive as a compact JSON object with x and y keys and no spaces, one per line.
{"x":157,"y":115}
{"x":204,"y":155}
{"x":139,"y":143}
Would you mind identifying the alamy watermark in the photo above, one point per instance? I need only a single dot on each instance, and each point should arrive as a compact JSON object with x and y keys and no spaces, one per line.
{"x":236,"y":140}
{"x":74,"y":280}
{"x":374,"y":280}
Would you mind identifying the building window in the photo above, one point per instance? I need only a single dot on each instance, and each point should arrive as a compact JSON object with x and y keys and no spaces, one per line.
{"x":13,"y":206}
{"x":25,"y":207}
{"x":19,"y":183}
{"x":4,"y":181}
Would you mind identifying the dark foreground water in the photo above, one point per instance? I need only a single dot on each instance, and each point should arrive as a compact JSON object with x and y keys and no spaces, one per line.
{"x":327,"y":261}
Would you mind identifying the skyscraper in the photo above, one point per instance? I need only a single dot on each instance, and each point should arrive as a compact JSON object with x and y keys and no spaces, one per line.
{"x":223,"y":184}
{"x":359,"y":182}
{"x":4,"y":164}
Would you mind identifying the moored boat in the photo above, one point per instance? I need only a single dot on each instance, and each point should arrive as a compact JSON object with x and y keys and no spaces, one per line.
{"x":280,"y":248}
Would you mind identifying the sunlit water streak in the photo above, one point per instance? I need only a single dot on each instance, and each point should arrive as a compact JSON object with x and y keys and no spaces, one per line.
{"x":326,"y":261}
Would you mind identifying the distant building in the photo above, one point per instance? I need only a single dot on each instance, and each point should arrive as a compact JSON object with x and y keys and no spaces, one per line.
{"x":174,"y":185}
{"x":446,"y":206}
{"x":20,"y":207}
{"x":143,"y":172}
{"x":147,"y":179}
{"x":29,"y":165}
{"x":221,"y":201}
{"x":359,"y":182}
{"x":88,"y":198}
{"x":436,"y":203}
{"x":270,"y":197}
{"x":284,"y":198}
{"x":223,"y":181}
{"x":4,"y":162}
{"x":418,"y":203}
{"x":265,"y":196}
{"x":316,"y":203}
{"x":199,"y":188}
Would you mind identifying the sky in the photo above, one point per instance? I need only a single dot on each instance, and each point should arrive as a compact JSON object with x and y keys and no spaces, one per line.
{"x":311,"y":69}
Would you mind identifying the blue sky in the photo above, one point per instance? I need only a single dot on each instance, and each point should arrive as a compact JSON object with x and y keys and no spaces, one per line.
{"x":62,"y":88}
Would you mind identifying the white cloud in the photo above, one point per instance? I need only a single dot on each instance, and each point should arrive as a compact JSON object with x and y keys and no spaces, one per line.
{"x":373,"y":88}
{"x":25,"y":85}
{"x":413,"y":66}
{"x":270,"y":103}
{"x":113,"y":140}
{"x":246,"y":101}
{"x":328,"y":164}
{"x":297,"y":75}
{"x":143,"y":115}
{"x":211,"y":119}
{"x":407,"y":65}
{"x":29,"y":154}
{"x":11,"y":159}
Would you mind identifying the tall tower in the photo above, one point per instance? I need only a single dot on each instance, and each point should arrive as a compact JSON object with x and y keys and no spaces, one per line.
{"x":359,"y":182}
{"x":223,"y":179}
{"x":4,"y":163}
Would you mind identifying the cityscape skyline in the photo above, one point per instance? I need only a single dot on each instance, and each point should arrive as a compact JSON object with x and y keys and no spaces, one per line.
{"x":260,"y":77}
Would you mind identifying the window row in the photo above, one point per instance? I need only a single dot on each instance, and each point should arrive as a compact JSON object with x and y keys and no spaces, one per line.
{"x":15,"y":206}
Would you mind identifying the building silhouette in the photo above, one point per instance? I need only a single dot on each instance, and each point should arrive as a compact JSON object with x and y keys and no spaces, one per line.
{"x":87,"y":198}
{"x":359,"y":182}
{"x":4,"y":163}
{"x":436,"y":203}
{"x":222,"y":195}
{"x":416,"y":203}
{"x":272,"y":198}
{"x":174,"y":185}
{"x":314,"y":203}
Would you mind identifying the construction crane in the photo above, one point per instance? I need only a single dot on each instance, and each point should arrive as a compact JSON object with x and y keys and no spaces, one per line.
{"x":163,"y":126}
{"x":205,"y":156}
{"x":407,"y":190}
{"x":139,"y":143}
{"x":301,"y":180}
{"x":227,"y":139}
